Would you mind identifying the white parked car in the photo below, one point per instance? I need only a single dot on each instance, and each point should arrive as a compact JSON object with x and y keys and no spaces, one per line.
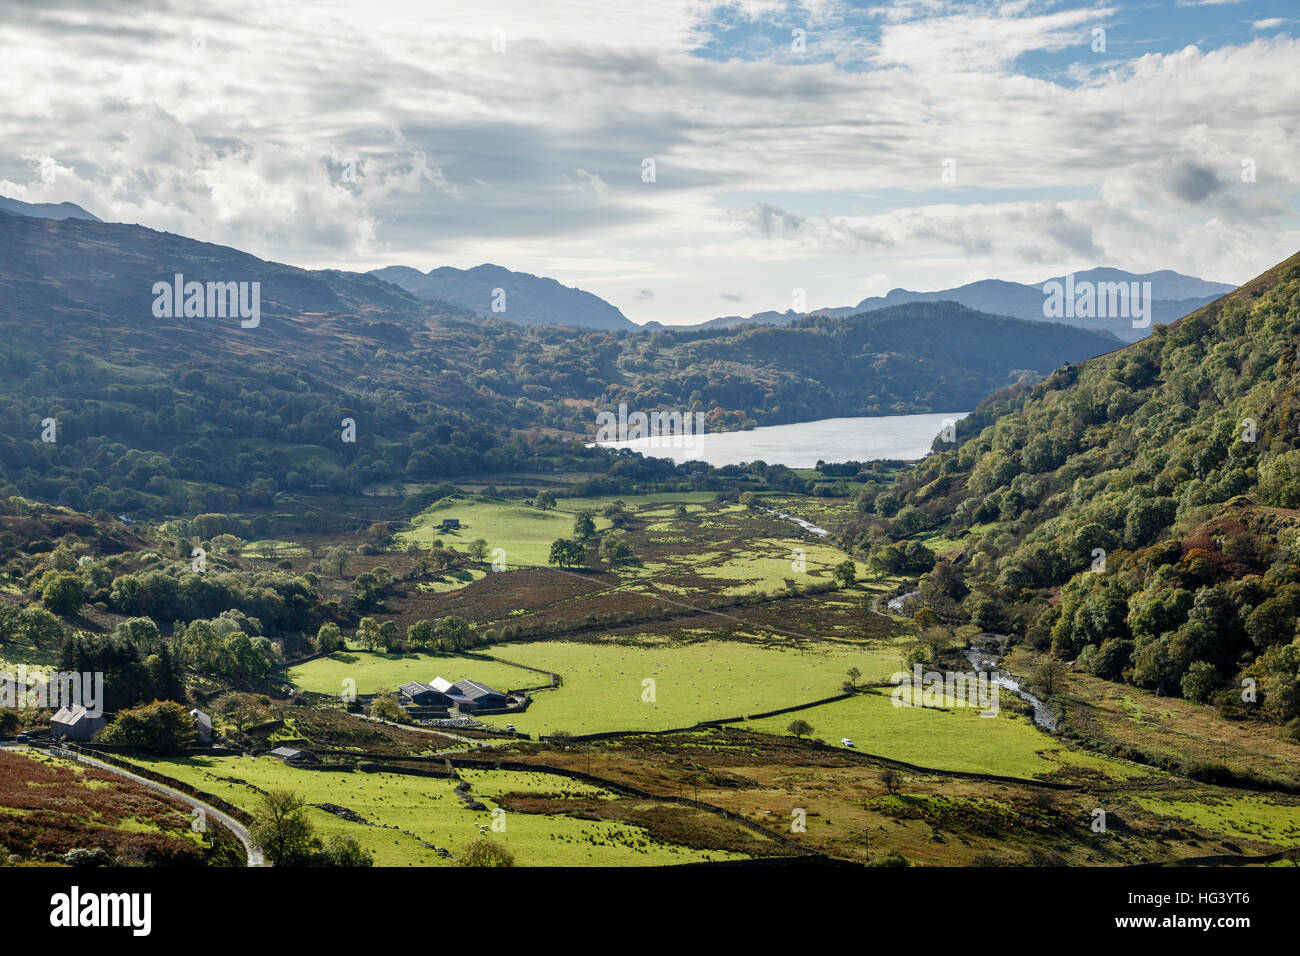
{"x":846,"y":742}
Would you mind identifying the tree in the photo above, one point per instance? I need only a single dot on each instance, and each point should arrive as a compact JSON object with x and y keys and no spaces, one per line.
{"x":544,"y":500}
{"x":421,"y":634}
{"x":243,"y":710}
{"x":336,"y":561}
{"x":891,"y":779}
{"x":453,"y":633}
{"x":1199,"y":681}
{"x":854,"y":676}
{"x":162,"y":727}
{"x":385,"y":707}
{"x":614,"y":549}
{"x":345,"y":851}
{"x":280,"y":827}
{"x":566,"y":553}
{"x":936,"y":640}
{"x":379,"y":534}
{"x":584,"y":525}
{"x":846,"y":573}
{"x":391,"y":638}
{"x":166,"y":674}
{"x":800,"y":728}
{"x":368,"y":633}
{"x":62,"y":592}
{"x":885,"y":560}
{"x":484,"y":852}
{"x":329,"y":638}
{"x":477,"y":549}
{"x":1049,"y":674}
{"x":924,"y":617}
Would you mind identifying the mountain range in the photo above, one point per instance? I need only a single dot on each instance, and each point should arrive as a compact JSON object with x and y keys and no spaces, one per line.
{"x":538,"y":300}
{"x":164,"y":407}
{"x":1173,"y":296}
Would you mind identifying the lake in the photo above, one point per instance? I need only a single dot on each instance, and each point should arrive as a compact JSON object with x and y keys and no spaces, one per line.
{"x":803,"y":444}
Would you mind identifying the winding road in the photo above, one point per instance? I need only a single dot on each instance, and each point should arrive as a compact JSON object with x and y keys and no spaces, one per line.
{"x":240,"y":831}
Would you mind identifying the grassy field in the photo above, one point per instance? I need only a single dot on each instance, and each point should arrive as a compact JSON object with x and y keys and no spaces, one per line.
{"x":1274,"y":820}
{"x":957,"y":738}
{"x":523,"y":533}
{"x":604,"y":681}
{"x":372,"y":670}
{"x":421,"y":810}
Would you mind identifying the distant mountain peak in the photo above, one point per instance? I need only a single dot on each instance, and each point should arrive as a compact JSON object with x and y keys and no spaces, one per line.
{"x":490,"y":289}
{"x":45,"y":210}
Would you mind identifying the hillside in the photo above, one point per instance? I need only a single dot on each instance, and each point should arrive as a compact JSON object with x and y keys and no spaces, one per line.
{"x":523,"y":298}
{"x":914,"y":358}
{"x":1137,"y":513}
{"x":164,"y":414}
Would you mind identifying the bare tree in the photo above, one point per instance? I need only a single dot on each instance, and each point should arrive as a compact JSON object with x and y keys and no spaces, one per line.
{"x":891,"y":780}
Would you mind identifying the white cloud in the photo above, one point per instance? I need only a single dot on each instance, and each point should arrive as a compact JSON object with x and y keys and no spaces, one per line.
{"x":531,"y":155}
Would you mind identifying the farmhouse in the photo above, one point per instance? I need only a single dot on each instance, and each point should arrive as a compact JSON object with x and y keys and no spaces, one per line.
{"x":75,"y":723}
{"x":422,"y":695}
{"x":203,"y":725}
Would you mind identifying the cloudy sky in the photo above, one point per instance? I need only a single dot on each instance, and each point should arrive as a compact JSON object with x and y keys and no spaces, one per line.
{"x":839,"y":148}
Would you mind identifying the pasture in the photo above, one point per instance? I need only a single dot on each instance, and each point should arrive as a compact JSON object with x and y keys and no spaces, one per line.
{"x":373,"y":670}
{"x":416,"y":811}
{"x":953,"y":738}
{"x":605,"y":682}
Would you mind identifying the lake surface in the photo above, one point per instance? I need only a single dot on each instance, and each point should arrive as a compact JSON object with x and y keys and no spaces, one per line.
{"x":802,"y":445}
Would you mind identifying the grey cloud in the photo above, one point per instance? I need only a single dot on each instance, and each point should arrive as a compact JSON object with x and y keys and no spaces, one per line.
{"x":1193,"y":183}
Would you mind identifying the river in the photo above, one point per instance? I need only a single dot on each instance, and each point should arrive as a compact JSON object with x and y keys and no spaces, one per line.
{"x":802,"y":445}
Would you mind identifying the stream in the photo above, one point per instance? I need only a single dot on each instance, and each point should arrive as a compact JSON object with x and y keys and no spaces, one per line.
{"x":985,"y":659}
{"x":806,"y":525}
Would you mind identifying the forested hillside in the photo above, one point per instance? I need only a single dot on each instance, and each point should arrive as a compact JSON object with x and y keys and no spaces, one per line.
{"x":1136,"y":513}
{"x":170,"y":415}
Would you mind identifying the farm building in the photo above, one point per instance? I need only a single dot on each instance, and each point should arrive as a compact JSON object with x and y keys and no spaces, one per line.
{"x":449,"y":524}
{"x":75,"y":723}
{"x":202,"y":724}
{"x":422,"y":695}
{"x":469,"y":695}
{"x":481,"y":696}
{"x":289,"y":755}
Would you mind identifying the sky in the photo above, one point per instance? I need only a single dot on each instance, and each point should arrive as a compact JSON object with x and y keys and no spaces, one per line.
{"x":683,"y":160}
